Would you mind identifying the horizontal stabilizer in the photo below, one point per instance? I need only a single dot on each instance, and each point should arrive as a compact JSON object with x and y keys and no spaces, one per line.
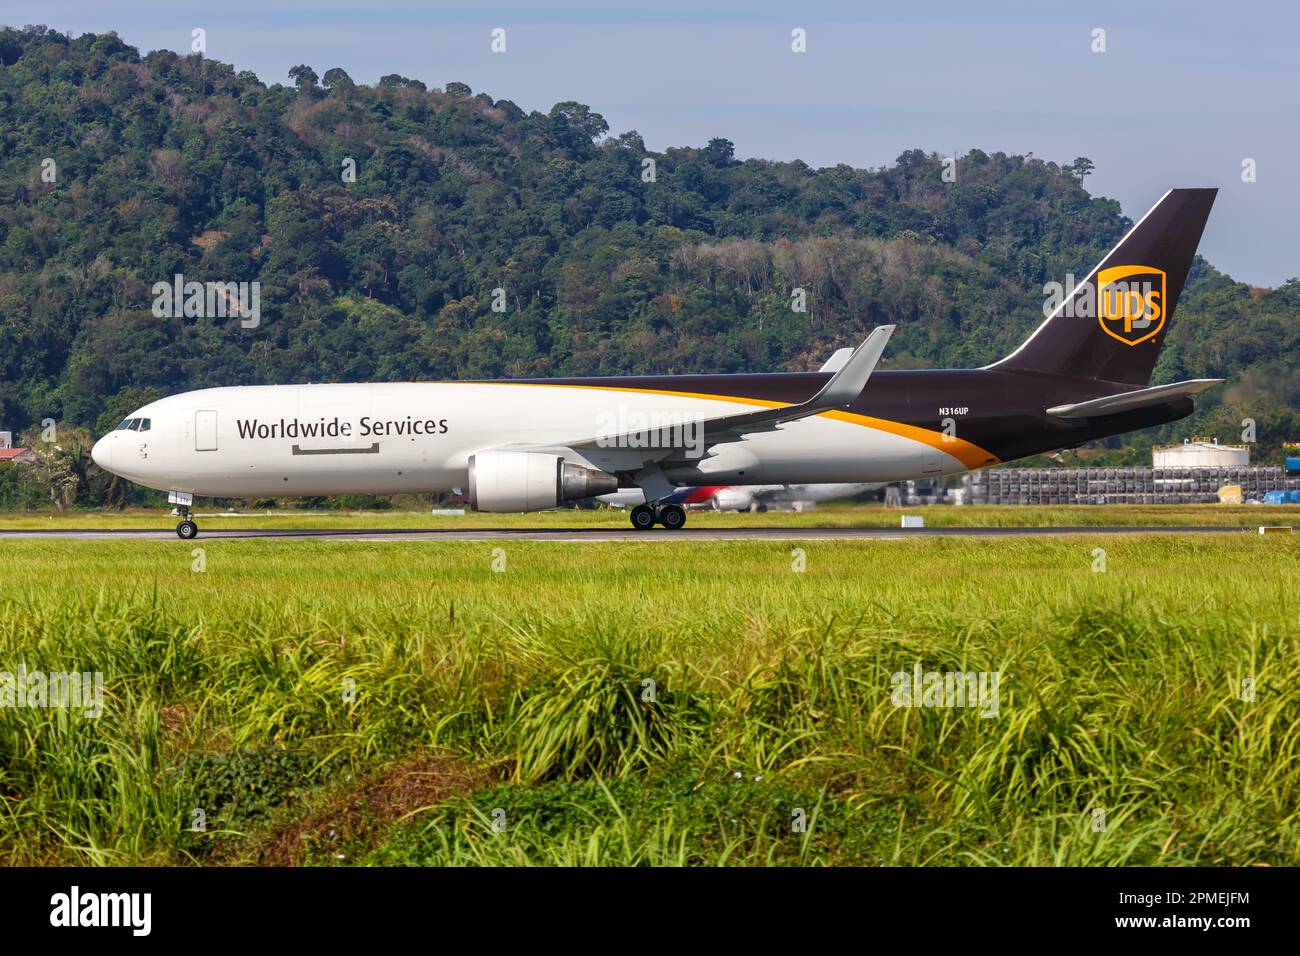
{"x":1127,"y":401}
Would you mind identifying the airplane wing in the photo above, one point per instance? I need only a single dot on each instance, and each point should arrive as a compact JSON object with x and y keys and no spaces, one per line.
{"x":1127,"y":401}
{"x":642,"y":454}
{"x":842,"y":389}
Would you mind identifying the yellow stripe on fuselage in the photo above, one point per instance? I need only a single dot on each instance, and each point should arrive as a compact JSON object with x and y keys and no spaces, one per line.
{"x":968,"y":453}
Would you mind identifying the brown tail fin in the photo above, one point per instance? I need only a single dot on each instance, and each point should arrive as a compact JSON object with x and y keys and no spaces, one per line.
{"x":1110,"y":327}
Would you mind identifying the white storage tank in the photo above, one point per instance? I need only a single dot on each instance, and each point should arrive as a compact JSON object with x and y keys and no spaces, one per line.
{"x":1200,"y":453}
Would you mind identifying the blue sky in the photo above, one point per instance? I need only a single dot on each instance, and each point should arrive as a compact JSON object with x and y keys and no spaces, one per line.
{"x":1183,"y":93}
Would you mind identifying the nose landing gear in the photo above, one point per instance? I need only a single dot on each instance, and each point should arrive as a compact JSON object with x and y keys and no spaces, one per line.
{"x":186,"y":529}
{"x":645,"y":517}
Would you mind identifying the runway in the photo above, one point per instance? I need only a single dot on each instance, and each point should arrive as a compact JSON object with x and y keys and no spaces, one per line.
{"x":593,"y":535}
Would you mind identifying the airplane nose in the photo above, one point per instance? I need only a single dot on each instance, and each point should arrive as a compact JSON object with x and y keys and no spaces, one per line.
{"x":102,"y":453}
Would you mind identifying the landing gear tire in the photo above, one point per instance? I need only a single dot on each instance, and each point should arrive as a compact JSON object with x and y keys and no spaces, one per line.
{"x":187,"y":530}
{"x":672,"y":517}
{"x":643,"y":517}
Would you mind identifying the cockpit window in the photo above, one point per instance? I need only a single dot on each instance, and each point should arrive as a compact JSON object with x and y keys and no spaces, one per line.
{"x":135,"y":425}
{"x":129,"y":424}
{"x":144,"y":424}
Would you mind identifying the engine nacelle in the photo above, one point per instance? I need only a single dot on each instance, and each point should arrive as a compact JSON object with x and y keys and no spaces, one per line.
{"x":733,"y":499}
{"x":531,"y":481}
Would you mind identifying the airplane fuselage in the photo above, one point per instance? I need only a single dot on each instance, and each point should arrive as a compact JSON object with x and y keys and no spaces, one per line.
{"x":329,"y":439}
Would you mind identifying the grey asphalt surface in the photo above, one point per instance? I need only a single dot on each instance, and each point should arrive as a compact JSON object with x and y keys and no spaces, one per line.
{"x":584,"y":535}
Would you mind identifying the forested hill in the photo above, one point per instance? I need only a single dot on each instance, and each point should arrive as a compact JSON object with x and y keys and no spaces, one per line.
{"x":165,"y":164}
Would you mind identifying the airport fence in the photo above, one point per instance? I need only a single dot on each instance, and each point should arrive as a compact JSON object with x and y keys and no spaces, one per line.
{"x":1101,"y":486}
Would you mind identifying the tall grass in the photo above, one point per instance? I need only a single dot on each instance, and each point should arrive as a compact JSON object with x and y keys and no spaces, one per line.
{"x":659,"y":704}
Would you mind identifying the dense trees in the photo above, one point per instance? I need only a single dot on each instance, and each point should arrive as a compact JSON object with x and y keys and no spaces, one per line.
{"x":60,"y":463}
{"x":379,"y":221}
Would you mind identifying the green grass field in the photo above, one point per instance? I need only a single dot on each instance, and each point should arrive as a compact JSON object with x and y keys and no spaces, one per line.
{"x":344,"y":702}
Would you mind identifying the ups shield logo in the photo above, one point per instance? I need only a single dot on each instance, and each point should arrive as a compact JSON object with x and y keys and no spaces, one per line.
{"x":1131,"y":302}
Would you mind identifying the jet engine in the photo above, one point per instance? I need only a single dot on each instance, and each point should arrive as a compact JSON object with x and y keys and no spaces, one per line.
{"x":531,"y":481}
{"x":733,"y":499}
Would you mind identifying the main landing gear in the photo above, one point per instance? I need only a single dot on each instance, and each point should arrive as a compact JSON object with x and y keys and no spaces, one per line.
{"x":186,"y":530}
{"x":645,"y":517}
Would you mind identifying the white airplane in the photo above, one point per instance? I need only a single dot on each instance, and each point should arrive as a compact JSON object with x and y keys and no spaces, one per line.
{"x":744,"y":497}
{"x":528,"y":445}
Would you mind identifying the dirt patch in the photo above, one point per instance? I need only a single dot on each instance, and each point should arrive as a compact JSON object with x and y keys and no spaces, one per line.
{"x":173,"y":720}
{"x":355,"y":821}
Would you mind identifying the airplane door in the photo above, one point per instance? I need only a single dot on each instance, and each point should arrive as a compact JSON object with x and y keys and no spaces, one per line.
{"x":205,"y":431}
